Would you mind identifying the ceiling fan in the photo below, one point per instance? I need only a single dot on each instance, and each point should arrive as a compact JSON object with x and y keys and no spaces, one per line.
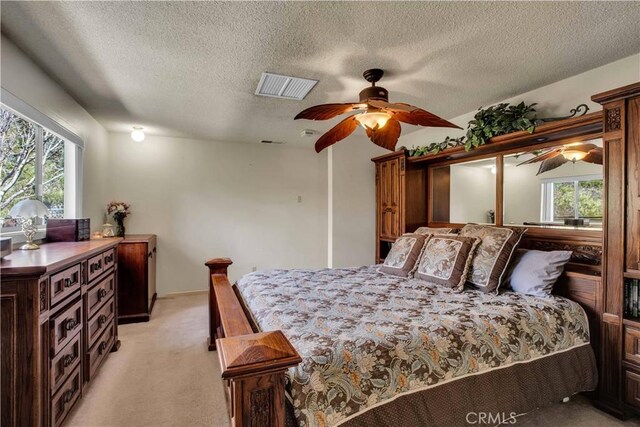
{"x":558,"y":156}
{"x":380,"y":118}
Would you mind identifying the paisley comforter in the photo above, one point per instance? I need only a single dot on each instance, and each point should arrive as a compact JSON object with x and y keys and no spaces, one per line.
{"x":366,"y":337}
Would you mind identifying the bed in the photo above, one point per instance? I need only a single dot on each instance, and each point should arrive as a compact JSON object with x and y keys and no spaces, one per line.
{"x":384,"y":350}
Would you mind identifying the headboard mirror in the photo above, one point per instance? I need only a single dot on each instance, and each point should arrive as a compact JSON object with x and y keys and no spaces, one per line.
{"x":465,"y":192}
{"x":555,"y":187}
{"x":547,"y":185}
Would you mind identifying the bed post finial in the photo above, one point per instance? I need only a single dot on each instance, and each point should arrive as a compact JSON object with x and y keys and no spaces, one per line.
{"x":216,"y":266}
{"x":255,"y":365}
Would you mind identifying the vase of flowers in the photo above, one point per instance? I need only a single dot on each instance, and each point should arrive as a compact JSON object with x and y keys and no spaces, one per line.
{"x":119,"y":211}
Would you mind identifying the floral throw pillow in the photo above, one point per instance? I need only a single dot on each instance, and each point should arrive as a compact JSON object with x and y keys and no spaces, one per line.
{"x":426,"y":231}
{"x":446,"y":260}
{"x":403,"y":255}
{"x":493,"y":254}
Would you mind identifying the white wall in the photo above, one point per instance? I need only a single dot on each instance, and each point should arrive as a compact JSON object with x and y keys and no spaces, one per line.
{"x":20,"y":76}
{"x":207,"y":199}
{"x":354,"y":201}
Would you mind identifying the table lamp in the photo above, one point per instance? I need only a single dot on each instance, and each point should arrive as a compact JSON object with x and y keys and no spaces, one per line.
{"x":28,"y":211}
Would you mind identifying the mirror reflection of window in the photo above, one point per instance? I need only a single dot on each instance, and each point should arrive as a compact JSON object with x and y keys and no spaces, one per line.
{"x":465,"y":192}
{"x":555,"y":187}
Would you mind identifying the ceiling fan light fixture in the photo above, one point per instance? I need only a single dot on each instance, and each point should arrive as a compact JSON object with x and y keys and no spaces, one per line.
{"x":375,"y":120}
{"x":574,"y":155}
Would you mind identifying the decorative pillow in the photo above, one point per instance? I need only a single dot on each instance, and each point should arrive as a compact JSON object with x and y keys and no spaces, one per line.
{"x":492,"y":256}
{"x":535,"y":272}
{"x":446,"y":259}
{"x":426,"y":231}
{"x":403,"y":255}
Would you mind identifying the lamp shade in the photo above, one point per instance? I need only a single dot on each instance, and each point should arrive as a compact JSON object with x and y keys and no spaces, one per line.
{"x":29,"y":209}
{"x":373,"y":120}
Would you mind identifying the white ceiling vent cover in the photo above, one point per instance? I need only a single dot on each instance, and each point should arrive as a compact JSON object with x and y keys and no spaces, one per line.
{"x":277,"y":86}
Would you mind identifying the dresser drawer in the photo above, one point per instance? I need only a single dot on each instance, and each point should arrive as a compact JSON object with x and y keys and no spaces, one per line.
{"x":98,"y":294}
{"x":100,"y":321}
{"x":95,"y":266}
{"x":632,"y":345}
{"x":108,"y":259}
{"x":65,"y":362}
{"x":99,"y":351}
{"x":64,"y":284}
{"x":65,"y":326}
{"x":66,"y":397}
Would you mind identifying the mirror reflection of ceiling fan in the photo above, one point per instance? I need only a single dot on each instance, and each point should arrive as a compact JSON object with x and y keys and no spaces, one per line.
{"x":380,"y":118}
{"x":574,"y":152}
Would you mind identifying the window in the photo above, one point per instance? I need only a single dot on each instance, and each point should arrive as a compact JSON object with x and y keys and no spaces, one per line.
{"x":35,"y":163}
{"x":572,"y":197}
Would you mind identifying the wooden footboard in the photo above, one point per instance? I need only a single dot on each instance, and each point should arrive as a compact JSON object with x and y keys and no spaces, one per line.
{"x":253,"y":364}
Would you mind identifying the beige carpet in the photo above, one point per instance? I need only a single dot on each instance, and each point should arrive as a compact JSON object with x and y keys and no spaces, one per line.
{"x":163,"y":375}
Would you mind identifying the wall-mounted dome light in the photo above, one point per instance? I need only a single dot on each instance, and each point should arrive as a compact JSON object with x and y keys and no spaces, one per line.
{"x":137,"y":134}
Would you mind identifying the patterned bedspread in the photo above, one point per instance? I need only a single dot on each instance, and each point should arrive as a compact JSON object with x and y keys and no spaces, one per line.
{"x":366,"y":337}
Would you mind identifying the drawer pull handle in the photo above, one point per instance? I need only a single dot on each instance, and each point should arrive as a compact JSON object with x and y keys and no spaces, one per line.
{"x":101,"y":320}
{"x":67,"y":282}
{"x":68,"y":396}
{"x":101,"y":294}
{"x":68,"y":360}
{"x":69,"y":324}
{"x":102,"y":348}
{"x":95,"y":266}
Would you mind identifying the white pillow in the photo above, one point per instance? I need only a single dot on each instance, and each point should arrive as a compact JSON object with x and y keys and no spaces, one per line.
{"x":535,"y":272}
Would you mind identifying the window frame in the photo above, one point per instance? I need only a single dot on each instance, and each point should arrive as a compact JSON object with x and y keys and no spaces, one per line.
{"x":73,"y":149}
{"x":547,"y":211}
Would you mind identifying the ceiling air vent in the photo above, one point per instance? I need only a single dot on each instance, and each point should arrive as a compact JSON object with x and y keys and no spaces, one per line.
{"x":266,"y":141}
{"x":277,"y":86}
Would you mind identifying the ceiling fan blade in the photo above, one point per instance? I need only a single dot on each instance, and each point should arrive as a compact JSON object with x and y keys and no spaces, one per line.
{"x":377,"y":103}
{"x":544,"y":156}
{"x":387,"y":136}
{"x":552,"y":163}
{"x":412,"y":115}
{"x":328,"y":111}
{"x":337,"y":133}
{"x":594,"y":156}
{"x":421,"y":117}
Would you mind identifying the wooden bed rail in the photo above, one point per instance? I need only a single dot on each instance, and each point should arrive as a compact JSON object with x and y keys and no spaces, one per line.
{"x":253,"y":364}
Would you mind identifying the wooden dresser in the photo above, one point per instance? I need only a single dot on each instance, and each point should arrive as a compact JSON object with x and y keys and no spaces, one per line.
{"x":58,"y":325}
{"x":137,"y":285}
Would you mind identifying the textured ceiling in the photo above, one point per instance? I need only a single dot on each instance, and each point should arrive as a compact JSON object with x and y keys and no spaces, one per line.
{"x":191,"y":69}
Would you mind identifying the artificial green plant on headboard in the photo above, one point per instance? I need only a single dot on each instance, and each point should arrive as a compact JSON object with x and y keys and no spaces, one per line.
{"x":489,"y":122}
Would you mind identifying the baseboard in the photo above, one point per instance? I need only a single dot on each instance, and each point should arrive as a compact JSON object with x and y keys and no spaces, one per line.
{"x":177,"y":294}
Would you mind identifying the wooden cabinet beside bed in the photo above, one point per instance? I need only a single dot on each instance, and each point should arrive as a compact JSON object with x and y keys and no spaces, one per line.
{"x":59,"y":323}
{"x":401,"y":200}
{"x":620,"y":357}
